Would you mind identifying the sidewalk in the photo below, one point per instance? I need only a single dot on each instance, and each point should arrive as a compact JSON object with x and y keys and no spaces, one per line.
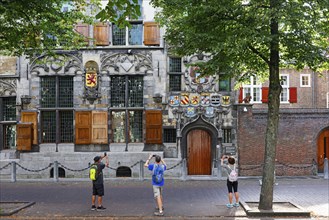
{"x":132,"y":199}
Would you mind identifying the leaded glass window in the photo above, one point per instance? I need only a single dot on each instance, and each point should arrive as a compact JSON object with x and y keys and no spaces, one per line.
{"x":135,"y":91}
{"x":9,"y":136}
{"x":136,"y":126}
{"x":9,"y":108}
{"x":118,"y":90}
{"x":127,"y":101}
{"x":224,"y":85}
{"x":175,"y":81}
{"x":119,"y":126}
{"x":175,"y":64}
{"x":56,"y":119}
{"x":118,"y":35}
{"x":135,"y":34}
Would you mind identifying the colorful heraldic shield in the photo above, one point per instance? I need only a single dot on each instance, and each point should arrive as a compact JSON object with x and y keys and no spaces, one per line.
{"x":205,"y":99}
{"x":215,"y":99}
{"x":209,"y":112}
{"x":174,"y":100}
{"x":226,"y":100}
{"x":195,"y":99}
{"x":91,"y":79}
{"x":190,"y":112}
{"x":184,"y":99}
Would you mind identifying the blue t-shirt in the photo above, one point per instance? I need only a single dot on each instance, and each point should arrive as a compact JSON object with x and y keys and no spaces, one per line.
{"x":150,"y":167}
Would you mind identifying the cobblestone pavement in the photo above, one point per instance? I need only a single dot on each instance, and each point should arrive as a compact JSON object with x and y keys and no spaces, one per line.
{"x":133,"y":199}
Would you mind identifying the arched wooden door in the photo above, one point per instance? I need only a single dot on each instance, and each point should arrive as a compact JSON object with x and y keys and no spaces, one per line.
{"x":323,"y":149}
{"x":198,"y":153}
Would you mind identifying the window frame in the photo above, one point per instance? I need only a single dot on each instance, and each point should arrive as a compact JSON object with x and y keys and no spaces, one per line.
{"x":252,"y":87}
{"x":285,"y":87}
{"x":308,"y":80}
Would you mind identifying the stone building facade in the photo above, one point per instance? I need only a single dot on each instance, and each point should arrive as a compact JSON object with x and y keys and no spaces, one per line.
{"x":127,"y":95}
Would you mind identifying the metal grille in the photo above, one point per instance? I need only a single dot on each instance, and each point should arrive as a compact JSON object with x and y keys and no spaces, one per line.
{"x":118,"y":126}
{"x":135,"y":91}
{"x":66,"y":126}
{"x":10,"y":136}
{"x":227,"y":136}
{"x":175,"y":65}
{"x":118,"y":35}
{"x":48,"y":92}
{"x":136,"y":126}
{"x":169,"y":135}
{"x":135,"y":34}
{"x":175,"y":82}
{"x":9,"y":108}
{"x":48,"y":122}
{"x":65,"y":96}
{"x":118,"y":88}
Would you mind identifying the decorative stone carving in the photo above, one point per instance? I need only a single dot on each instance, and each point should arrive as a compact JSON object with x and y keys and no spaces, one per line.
{"x":8,"y":87}
{"x":62,"y":64}
{"x":91,"y":81}
{"x":120,"y":63}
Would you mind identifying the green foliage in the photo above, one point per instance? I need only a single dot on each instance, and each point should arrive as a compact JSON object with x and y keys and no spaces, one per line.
{"x":238,"y":35}
{"x":29,"y":27}
{"x":34,"y":27}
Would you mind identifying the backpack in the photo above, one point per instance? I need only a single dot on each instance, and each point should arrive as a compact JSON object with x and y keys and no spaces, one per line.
{"x":93,"y":174}
{"x":157,"y":176}
{"x":233,"y":176}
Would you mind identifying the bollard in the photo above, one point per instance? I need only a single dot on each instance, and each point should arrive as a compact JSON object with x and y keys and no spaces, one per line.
{"x":55,"y":171}
{"x":326,"y":169}
{"x":184,"y":169}
{"x":141,"y":170}
{"x":219,"y":169}
{"x":13,"y":171}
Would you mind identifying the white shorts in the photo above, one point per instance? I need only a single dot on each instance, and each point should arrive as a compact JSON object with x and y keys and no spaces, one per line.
{"x":157,"y":191}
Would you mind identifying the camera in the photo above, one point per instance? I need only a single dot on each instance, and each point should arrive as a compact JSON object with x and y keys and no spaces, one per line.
{"x":105,"y":154}
{"x":154,"y":155}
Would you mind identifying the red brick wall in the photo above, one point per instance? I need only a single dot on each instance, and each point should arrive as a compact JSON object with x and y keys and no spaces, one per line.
{"x":297,"y":140}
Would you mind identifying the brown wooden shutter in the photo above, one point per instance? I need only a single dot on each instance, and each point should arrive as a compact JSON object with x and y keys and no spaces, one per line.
{"x":153,"y":127}
{"x":265,"y":94}
{"x":293,"y":94}
{"x":240,"y":95}
{"x":101,"y":34}
{"x":31,"y":117}
{"x":83,"y":127}
{"x":83,"y":29}
{"x":99,"y":127}
{"x":151,"y":34}
{"x":24,"y":136}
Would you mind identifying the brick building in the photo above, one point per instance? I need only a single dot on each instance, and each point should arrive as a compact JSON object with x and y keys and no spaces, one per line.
{"x":126,"y":94}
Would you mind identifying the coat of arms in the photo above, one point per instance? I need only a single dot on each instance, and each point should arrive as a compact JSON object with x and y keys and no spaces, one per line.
{"x":174,"y":100}
{"x":91,"y":79}
{"x":184,"y":99}
{"x":205,"y":99}
{"x":194,"y":99}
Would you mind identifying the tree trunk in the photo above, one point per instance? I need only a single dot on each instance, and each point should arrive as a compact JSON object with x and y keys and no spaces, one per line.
{"x":266,"y":194}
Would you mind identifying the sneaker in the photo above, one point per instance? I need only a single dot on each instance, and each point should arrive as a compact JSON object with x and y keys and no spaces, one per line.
{"x":100,"y":208}
{"x":236,"y":204}
{"x":229,"y":205}
{"x":157,"y":209}
{"x":93,"y":207}
{"x":159,"y":213}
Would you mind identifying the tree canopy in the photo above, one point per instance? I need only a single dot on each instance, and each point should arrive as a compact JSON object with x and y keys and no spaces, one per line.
{"x":247,"y":37}
{"x":34,"y":27}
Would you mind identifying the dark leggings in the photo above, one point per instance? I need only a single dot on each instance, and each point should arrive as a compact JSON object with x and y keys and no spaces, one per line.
{"x":232,"y":186}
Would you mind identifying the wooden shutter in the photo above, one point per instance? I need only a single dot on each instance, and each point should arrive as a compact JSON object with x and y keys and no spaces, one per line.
{"x":31,"y":117}
{"x":24,"y":136}
{"x":240,"y":95}
{"x":83,"y":127}
{"x":83,"y":29}
{"x":293,"y":94}
{"x":99,"y":127}
{"x":153,"y":127}
{"x":101,"y":34}
{"x":151,"y":34}
{"x":265,"y":94}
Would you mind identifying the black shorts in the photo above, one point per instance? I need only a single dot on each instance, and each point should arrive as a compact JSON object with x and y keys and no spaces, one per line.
{"x":98,"y":190}
{"x":232,"y":186}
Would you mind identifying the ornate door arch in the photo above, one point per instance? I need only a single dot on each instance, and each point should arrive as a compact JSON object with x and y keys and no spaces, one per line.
{"x":323,"y":148}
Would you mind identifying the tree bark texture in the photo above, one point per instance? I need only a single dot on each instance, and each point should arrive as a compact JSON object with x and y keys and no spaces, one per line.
{"x":266,"y":195}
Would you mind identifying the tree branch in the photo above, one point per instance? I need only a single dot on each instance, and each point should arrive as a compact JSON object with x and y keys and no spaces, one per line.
{"x":255,"y":51}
